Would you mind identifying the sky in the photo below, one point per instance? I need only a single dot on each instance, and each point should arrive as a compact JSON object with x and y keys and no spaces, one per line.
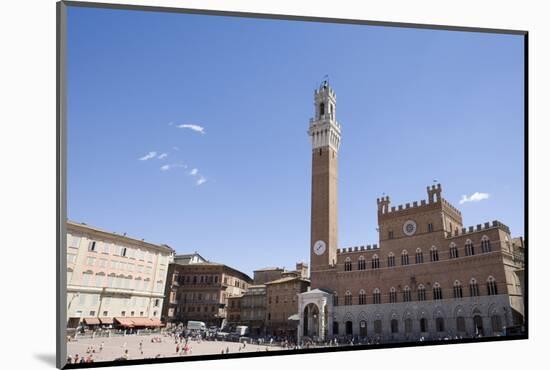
{"x":190,"y":130}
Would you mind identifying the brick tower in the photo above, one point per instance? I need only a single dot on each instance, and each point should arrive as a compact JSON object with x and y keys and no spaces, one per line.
{"x":324,"y":132}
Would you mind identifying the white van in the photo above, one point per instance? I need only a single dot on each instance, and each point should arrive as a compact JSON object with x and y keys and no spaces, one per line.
{"x":196,"y":325}
{"x":241,"y":330}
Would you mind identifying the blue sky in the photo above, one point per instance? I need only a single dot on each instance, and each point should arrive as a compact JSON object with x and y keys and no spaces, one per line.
{"x":228,"y":100}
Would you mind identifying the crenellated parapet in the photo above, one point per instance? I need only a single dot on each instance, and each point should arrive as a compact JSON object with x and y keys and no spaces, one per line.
{"x":435,"y":201}
{"x":361,"y":248}
{"x":480,"y":227}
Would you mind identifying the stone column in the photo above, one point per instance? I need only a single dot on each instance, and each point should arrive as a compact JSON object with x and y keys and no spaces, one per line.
{"x":322,"y":323}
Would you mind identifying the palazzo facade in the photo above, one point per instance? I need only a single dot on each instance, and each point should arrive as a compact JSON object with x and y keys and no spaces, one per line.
{"x":429,"y":276}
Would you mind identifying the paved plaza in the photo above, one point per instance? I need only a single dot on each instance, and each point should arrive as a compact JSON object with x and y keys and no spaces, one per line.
{"x":115,"y":347}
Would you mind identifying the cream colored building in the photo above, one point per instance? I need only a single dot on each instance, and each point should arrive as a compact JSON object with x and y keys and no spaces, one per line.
{"x":113,"y":278}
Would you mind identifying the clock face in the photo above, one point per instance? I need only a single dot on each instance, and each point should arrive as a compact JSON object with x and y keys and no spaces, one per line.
{"x":409,"y":228}
{"x":319,"y":247}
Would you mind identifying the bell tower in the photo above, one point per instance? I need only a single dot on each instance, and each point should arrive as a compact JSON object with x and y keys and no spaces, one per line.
{"x":324,"y":132}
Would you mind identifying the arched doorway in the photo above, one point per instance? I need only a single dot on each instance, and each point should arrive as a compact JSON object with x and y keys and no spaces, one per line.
{"x":363,"y":328}
{"x":335,"y":328}
{"x":478,"y":325}
{"x":349,"y":328}
{"x":311,"y":320}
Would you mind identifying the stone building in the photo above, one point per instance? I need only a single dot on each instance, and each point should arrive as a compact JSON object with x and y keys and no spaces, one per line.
{"x":263,"y":275}
{"x":253,"y":309}
{"x":198,"y":289}
{"x":264,"y":306}
{"x":113,"y":279}
{"x":234,"y":309}
{"x":282,"y":303}
{"x":428,"y":276}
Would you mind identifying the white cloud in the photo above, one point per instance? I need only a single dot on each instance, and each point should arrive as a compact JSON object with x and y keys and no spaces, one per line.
{"x":162,"y":156}
{"x":475,"y":197}
{"x":177,"y":149}
{"x":193,"y":172}
{"x":201,"y":181}
{"x":148,"y":156}
{"x":195,"y":128}
{"x":167,"y":167}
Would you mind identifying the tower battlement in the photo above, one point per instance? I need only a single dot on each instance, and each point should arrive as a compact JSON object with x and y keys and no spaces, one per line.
{"x":361,"y":248}
{"x":434,"y":201}
{"x":480,"y":227}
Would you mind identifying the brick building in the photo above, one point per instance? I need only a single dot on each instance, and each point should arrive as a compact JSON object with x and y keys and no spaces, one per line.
{"x":282,"y":303}
{"x":263,"y":275}
{"x":428,"y":276}
{"x":198,"y":289}
{"x":266,"y":305}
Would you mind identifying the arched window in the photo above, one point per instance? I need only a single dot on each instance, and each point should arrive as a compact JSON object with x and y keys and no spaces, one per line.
{"x":406,"y":294}
{"x":439,"y":324}
{"x":421,"y":293}
{"x":453,"y":251}
{"x":434,"y":255}
{"x":469,"y":247}
{"x":485,"y":244}
{"x":491,"y":286}
{"x":322,"y":109}
{"x":438,"y":294}
{"x":348,"y":298}
{"x":391,"y":260}
{"x":419,"y":256}
{"x":347,"y":264}
{"x":394,"y":326}
{"x":376,"y":296}
{"x":375,"y":262}
{"x":474,"y":288}
{"x":361,"y":265}
{"x":335,"y":299}
{"x":404,"y":257}
{"x":393,"y":295}
{"x":457,"y":289}
{"x":362,"y":297}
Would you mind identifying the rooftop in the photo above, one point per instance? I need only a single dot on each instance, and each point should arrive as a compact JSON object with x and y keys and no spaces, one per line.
{"x":83,"y":227}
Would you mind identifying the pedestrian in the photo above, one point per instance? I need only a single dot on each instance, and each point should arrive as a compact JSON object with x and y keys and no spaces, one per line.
{"x":177,"y":348}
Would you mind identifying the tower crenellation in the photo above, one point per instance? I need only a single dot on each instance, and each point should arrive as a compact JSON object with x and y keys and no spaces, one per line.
{"x":324,"y":129}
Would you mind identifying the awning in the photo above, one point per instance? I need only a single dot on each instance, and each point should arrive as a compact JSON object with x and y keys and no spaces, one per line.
{"x":124,"y":321}
{"x":141,"y":321}
{"x":107,"y":320}
{"x":146,"y":322}
{"x":91,"y":321}
{"x":295,"y":317}
{"x":156,"y":322}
